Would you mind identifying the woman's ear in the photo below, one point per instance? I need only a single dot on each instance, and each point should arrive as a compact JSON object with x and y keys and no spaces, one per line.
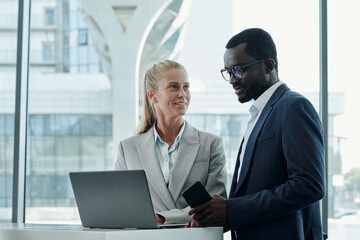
{"x":151,"y":96}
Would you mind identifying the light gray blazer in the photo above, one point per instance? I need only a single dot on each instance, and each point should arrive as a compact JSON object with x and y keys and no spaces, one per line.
{"x":201,"y":158}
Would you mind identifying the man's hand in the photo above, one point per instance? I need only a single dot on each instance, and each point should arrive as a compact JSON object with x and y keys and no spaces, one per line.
{"x":211,"y":213}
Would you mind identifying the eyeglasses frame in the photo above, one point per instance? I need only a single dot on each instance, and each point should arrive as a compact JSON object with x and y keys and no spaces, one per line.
{"x":242,"y":69}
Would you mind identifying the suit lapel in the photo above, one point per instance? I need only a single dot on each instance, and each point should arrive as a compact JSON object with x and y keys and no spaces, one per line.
{"x":249,"y":148}
{"x":188,"y":149}
{"x":235,"y":175}
{"x":150,"y":162}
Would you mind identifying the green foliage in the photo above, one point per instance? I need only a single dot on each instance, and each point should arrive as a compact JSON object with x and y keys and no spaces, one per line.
{"x":352,"y":180}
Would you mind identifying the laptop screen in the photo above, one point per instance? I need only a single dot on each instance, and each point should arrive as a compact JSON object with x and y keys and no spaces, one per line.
{"x":113,"y":199}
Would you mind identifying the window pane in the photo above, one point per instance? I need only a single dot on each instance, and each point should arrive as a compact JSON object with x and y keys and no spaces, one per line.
{"x":70,"y":123}
{"x":70,"y":114}
{"x":49,"y":18}
{"x":8,"y":47}
{"x":344,"y":166}
{"x":214,"y":106}
{"x":73,"y":113}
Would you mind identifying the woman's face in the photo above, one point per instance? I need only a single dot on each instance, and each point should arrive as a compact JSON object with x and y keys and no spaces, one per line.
{"x":172,"y":98}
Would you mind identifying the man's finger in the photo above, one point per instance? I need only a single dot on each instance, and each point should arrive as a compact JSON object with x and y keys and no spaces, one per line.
{"x":204,"y":222}
{"x":197,"y":209}
{"x":191,"y":212}
{"x":199,"y":216}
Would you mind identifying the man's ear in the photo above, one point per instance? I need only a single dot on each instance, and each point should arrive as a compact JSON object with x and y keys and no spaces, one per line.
{"x":151,"y":96}
{"x":269,"y":65}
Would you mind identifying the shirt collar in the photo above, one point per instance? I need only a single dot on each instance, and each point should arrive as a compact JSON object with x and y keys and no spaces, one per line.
{"x":260,"y":103}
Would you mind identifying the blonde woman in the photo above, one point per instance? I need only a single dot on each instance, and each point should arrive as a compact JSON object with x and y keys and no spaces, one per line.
{"x":173,"y":153}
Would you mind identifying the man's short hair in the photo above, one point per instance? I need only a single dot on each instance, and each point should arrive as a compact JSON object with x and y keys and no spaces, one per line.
{"x":259,"y":44}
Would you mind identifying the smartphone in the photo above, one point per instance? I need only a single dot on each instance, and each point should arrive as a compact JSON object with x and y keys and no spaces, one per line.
{"x":196,"y":194}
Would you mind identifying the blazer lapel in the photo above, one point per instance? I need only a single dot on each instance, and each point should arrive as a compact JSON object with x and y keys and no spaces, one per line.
{"x":150,"y":162}
{"x":188,"y":149}
{"x":249,"y":148}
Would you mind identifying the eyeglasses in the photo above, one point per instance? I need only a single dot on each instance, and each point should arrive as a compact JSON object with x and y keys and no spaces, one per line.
{"x":237,"y":71}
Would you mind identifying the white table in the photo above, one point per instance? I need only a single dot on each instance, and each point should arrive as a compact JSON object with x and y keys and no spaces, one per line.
{"x":12,"y":231}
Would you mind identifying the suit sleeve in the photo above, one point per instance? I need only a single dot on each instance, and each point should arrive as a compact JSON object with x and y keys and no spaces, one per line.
{"x":303,"y":152}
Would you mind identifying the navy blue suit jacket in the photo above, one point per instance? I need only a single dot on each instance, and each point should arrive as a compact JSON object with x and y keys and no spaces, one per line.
{"x":282,"y":176}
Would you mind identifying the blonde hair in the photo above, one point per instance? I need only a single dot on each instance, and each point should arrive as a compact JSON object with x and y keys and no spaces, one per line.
{"x":152,"y":78}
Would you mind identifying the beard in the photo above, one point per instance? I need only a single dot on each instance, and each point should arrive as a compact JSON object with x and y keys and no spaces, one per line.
{"x":244,"y":98}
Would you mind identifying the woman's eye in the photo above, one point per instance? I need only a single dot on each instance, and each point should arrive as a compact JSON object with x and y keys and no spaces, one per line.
{"x":173,"y":86}
{"x":186,"y":87}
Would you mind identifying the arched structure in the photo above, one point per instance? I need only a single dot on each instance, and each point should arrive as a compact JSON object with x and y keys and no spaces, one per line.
{"x":130,"y":36}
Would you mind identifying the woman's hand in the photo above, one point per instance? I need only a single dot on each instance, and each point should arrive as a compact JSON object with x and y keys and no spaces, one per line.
{"x":191,"y":223}
{"x":159,"y":219}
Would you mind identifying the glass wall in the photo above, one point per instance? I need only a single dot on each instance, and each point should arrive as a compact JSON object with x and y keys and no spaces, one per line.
{"x":78,"y":51}
{"x":71,"y":113}
{"x":57,"y":145}
{"x":70,"y":120}
{"x":215,"y":107}
{"x":8,"y":47}
{"x":344,"y":165}
{"x":6,"y":163}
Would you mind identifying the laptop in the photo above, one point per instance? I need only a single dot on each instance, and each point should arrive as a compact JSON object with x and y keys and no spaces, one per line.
{"x":114,"y":199}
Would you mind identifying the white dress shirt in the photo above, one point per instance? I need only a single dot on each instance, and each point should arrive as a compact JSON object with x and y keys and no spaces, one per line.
{"x":166,"y":156}
{"x":255,"y":112}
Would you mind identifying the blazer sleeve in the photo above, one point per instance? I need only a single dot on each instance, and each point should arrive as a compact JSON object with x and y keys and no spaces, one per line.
{"x":215,"y":184}
{"x":302,"y":150}
{"x":217,"y":175}
{"x":120,"y":163}
{"x":176,"y":215}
